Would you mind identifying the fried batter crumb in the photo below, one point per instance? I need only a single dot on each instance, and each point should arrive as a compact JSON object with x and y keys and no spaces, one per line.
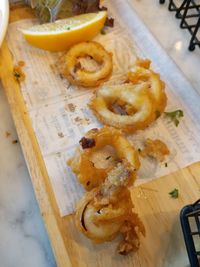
{"x":130,"y":230}
{"x":145,"y":63}
{"x":15,"y":141}
{"x":21,"y":63}
{"x":87,"y":142}
{"x":82,"y":121}
{"x":18,"y":72}
{"x":71,"y":107}
{"x":156,"y":149}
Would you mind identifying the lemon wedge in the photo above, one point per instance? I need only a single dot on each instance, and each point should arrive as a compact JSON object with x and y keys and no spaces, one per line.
{"x":62,"y":34}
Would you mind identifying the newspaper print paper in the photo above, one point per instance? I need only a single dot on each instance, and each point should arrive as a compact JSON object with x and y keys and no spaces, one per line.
{"x":60,"y":115}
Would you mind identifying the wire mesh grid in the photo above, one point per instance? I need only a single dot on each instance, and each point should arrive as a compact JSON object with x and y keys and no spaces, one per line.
{"x":190,"y":223}
{"x":188,"y":11}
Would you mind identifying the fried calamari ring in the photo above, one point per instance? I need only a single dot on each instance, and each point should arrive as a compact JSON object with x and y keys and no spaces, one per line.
{"x":87,"y":223}
{"x":77,"y":74}
{"x":107,"y":210}
{"x":89,"y":175}
{"x":141,"y":73}
{"x":128,"y":107}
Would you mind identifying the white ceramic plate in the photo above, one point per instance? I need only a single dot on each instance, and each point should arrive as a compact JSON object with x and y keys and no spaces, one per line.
{"x":4,"y":14}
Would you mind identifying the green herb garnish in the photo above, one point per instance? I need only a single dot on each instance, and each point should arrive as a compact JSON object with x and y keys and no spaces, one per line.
{"x":175,"y":116}
{"x":174,"y":193}
{"x":166,"y":165}
{"x":50,"y":10}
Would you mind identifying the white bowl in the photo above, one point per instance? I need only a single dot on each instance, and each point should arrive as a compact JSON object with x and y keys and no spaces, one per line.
{"x":4,"y":15}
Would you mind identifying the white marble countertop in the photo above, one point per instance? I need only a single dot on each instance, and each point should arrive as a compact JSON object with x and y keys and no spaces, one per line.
{"x":24,"y":241}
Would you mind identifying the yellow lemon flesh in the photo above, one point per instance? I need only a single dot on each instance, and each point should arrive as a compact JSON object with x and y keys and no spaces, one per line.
{"x":62,"y":34}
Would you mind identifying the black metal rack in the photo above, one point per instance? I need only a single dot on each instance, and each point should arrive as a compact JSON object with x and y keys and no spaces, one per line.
{"x":190,"y":223}
{"x":188,"y":11}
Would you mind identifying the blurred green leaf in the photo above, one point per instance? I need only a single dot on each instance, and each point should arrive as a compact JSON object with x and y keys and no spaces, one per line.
{"x":50,"y":10}
{"x":175,"y":116}
{"x":174,"y":193}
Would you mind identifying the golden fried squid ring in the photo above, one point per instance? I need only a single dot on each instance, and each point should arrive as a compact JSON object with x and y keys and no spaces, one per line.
{"x":76,"y":73}
{"x":89,"y":175}
{"x":87,"y":216}
{"x":141,"y":73}
{"x":128,"y":107}
{"x":107,"y":210}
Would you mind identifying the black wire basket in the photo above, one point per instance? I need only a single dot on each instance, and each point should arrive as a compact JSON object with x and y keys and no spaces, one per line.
{"x":188,"y":11}
{"x":190,"y":223}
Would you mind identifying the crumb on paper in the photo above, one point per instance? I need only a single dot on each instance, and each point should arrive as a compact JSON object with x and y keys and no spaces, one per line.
{"x":7,"y":134}
{"x":71,"y":107}
{"x":83,"y":121}
{"x":21,"y":63}
{"x":155,"y":148}
{"x":60,"y":134}
{"x":15,"y":141}
{"x":58,"y":154}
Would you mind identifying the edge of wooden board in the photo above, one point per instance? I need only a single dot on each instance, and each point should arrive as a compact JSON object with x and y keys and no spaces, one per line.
{"x":33,"y":157}
{"x":35,"y":163}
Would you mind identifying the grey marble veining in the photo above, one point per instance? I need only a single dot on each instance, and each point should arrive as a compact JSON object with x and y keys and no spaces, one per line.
{"x":23,"y":239}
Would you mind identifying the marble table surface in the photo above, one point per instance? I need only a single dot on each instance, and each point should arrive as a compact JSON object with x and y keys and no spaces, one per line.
{"x":23,"y":238}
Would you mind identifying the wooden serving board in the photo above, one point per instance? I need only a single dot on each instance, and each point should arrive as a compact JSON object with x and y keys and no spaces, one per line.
{"x":163,"y":244}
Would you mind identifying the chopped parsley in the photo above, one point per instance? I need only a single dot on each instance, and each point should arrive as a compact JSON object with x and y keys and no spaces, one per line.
{"x":174,"y":193}
{"x":166,"y":165}
{"x":175,"y":116}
